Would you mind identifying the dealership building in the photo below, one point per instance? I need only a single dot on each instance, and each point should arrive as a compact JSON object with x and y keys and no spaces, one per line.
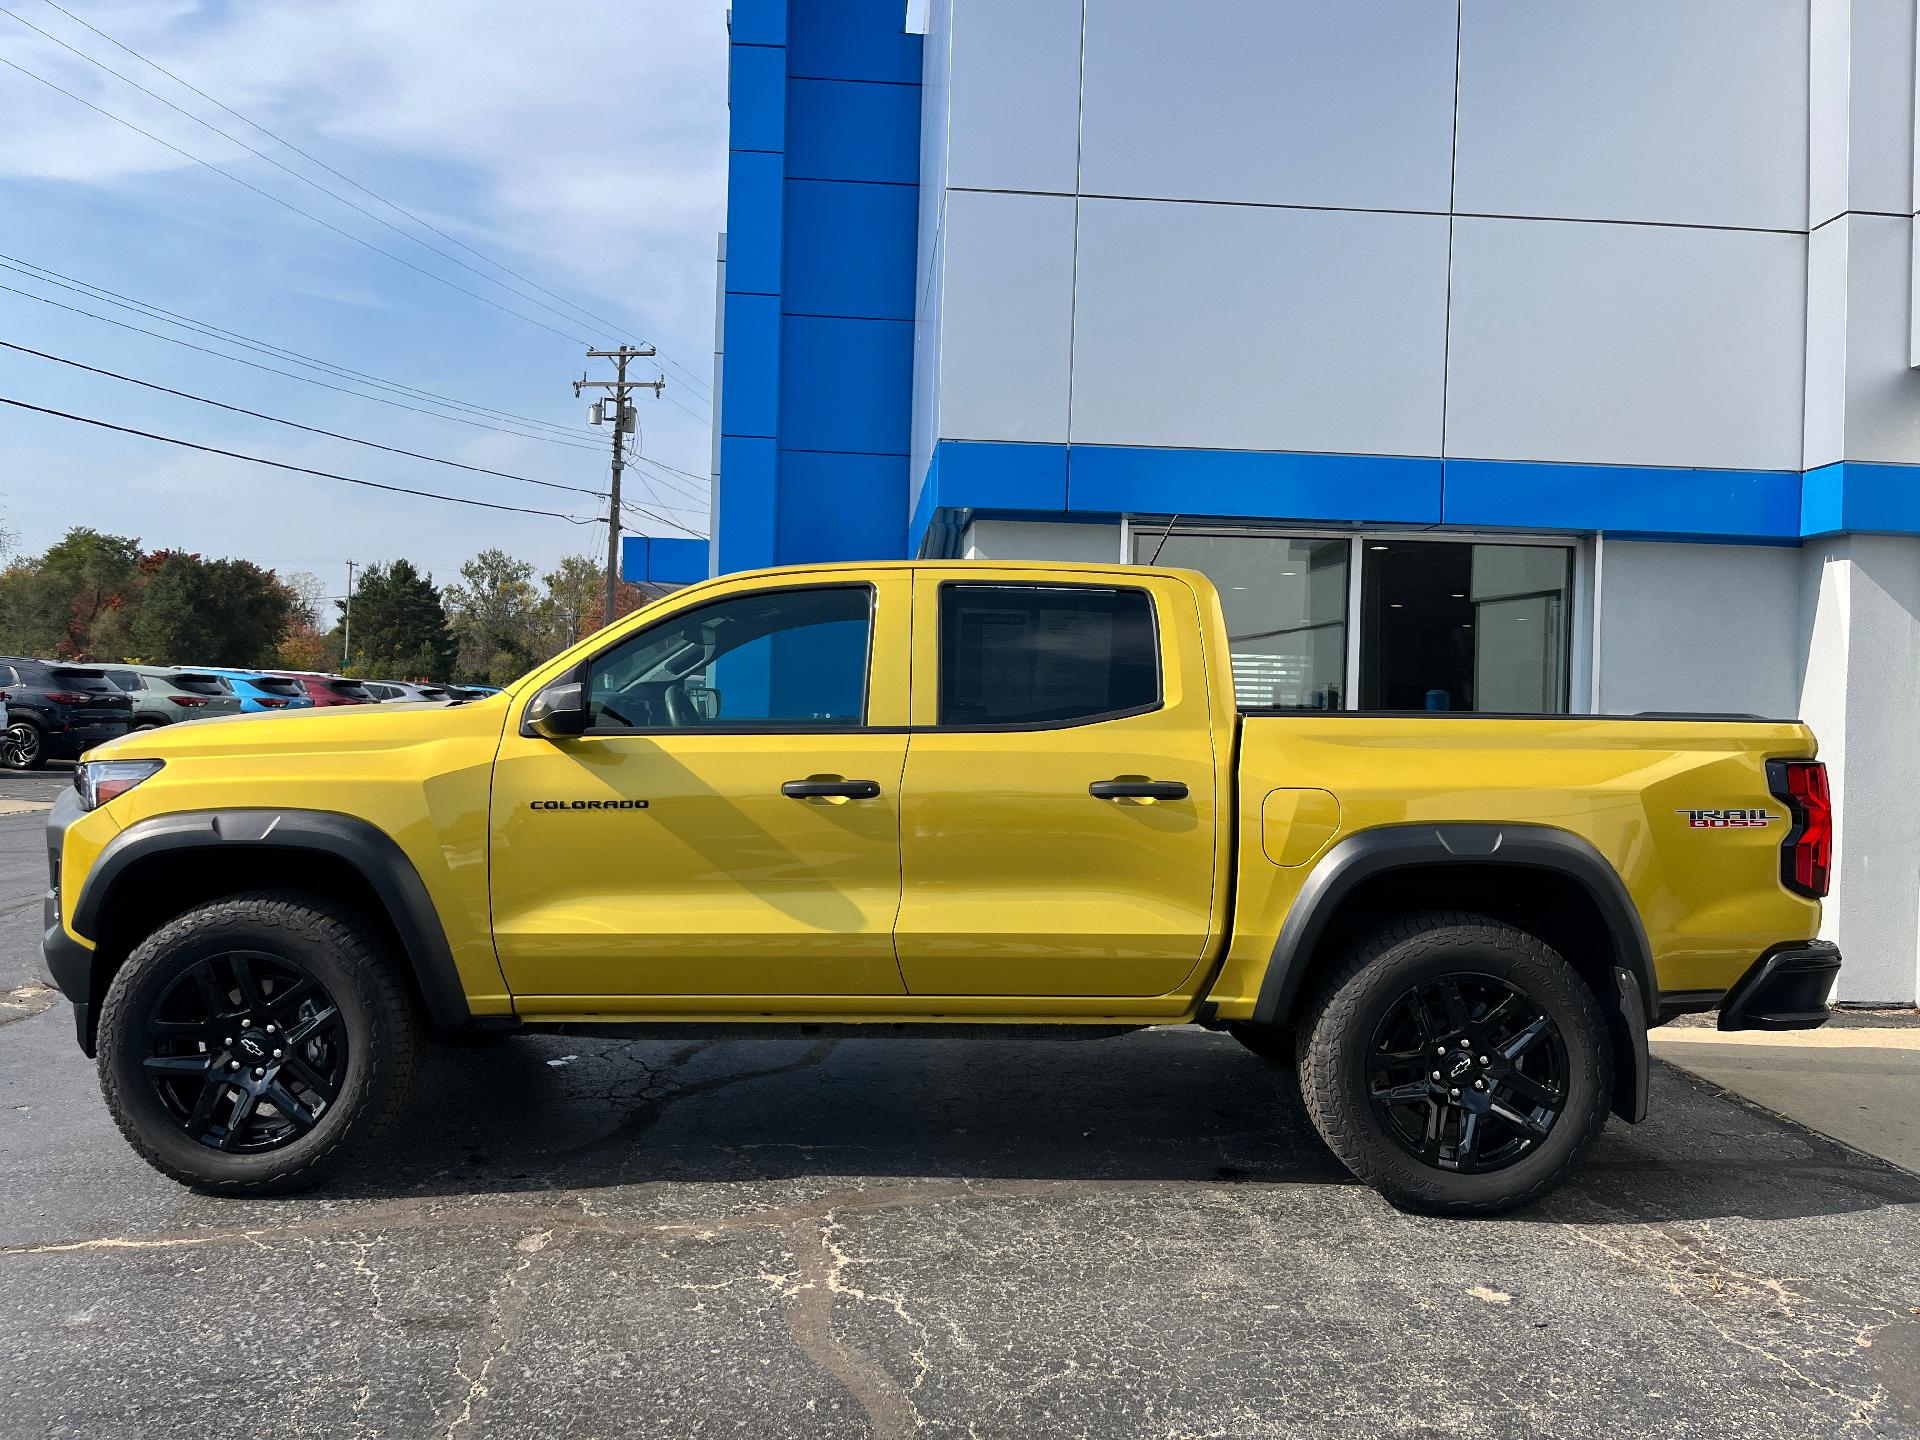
{"x":1489,"y":354}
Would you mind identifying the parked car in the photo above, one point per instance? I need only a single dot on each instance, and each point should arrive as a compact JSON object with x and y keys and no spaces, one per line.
{"x":1459,"y":927}
{"x":388,"y":691}
{"x":57,"y":711}
{"x":164,"y":696}
{"x":329,"y":689}
{"x":258,"y":691}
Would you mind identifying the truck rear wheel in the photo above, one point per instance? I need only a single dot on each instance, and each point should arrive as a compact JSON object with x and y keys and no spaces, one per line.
{"x":1456,"y":1064}
{"x":249,"y":1045}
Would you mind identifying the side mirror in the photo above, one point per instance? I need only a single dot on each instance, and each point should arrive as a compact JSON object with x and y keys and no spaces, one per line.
{"x":558,"y":712}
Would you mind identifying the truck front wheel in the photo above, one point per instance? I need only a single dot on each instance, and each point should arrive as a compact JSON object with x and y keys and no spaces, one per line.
{"x":1456,"y":1064}
{"x":247,"y":1046}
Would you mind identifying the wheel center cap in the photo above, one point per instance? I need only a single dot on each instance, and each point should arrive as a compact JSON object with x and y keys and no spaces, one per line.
{"x":253,"y":1045}
{"x":1460,"y":1066}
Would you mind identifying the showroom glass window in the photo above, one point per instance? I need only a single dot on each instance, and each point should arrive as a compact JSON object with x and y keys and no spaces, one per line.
{"x":1286,"y":606}
{"x":1443,"y":625}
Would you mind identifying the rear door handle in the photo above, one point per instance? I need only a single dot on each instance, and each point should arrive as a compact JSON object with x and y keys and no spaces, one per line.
{"x":831,"y":789}
{"x":1138,"y":790}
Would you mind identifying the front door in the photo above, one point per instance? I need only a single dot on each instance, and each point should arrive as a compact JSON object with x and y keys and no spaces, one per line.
{"x":1064,"y":822}
{"x":729,"y":823}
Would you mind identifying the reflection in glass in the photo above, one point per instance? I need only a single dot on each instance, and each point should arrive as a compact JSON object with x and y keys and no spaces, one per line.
{"x":1286,"y":608}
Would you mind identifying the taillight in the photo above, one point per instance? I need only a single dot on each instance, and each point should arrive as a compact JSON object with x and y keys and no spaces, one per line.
{"x":274,"y":702}
{"x":1806,"y":855}
{"x":188,"y":700}
{"x":66,"y":697}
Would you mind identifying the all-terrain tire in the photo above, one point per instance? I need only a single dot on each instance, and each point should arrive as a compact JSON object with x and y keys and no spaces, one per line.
{"x":1375,"y":974}
{"x":338,"y":950}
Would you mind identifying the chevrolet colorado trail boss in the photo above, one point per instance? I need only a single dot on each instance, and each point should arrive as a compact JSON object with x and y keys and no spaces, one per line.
{"x":935,"y":794}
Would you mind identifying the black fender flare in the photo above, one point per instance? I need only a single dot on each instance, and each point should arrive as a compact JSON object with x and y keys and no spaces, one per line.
{"x":1626,"y":1003}
{"x":369,"y":850}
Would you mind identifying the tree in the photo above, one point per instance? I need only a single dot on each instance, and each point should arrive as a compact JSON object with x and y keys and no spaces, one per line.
{"x":75,"y":601}
{"x":497,"y":617}
{"x":399,"y":624}
{"x":577,"y":600}
{"x":210,"y":612}
{"x":309,"y":593}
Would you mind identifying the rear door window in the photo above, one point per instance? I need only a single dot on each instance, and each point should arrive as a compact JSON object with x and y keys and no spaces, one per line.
{"x":93,"y":681}
{"x":1039,"y":655}
{"x":197,"y":684}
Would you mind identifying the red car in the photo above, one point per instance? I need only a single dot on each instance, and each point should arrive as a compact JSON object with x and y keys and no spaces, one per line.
{"x":330,"y":689}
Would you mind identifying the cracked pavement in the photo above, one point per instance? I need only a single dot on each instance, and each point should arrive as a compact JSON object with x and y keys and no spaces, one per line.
{"x":805,"y":1237}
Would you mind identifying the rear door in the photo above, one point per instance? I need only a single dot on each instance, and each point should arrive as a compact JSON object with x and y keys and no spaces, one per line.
{"x":1063,"y":822}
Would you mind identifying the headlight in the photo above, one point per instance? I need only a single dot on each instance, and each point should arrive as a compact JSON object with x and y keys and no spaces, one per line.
{"x":99,"y":781}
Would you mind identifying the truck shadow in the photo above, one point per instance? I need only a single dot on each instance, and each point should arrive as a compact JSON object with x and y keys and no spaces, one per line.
{"x":1161,"y":1107}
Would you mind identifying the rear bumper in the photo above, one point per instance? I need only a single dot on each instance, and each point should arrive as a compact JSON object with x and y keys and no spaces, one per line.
{"x":1785,"y":989}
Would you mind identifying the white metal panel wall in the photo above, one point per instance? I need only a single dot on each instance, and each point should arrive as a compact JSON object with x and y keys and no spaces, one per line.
{"x":1262,"y":234}
{"x":1007,"y":256}
{"x":1880,"y":394}
{"x":1258,"y":327}
{"x":1691,"y":114}
{"x":1287,"y":102}
{"x":1015,"y":108}
{"x":1626,"y":344}
{"x":1699,"y":627}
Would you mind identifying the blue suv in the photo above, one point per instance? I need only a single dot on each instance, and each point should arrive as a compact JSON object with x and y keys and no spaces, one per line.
{"x":263,"y":692}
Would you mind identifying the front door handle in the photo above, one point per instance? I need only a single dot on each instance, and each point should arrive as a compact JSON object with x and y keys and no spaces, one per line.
{"x":1138,"y":789}
{"x":831,"y":789}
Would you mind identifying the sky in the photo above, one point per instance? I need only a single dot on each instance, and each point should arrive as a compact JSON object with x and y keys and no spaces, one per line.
{"x":582,"y":147}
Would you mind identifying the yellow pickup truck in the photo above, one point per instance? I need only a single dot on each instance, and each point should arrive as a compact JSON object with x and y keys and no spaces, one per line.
{"x":927,"y":795}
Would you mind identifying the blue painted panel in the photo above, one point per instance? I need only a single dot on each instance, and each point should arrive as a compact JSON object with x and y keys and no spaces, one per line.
{"x":849,"y":249}
{"x":750,"y":398}
{"x":846,"y":385}
{"x":845,"y":130}
{"x":663,"y":559}
{"x":851,"y":40}
{"x":989,"y":475}
{"x":1118,"y":479}
{"x":759,"y":22}
{"x":842,"y":507}
{"x":1859,"y":495}
{"x":1676,"y":501}
{"x":744,"y":510}
{"x":754,"y":207}
{"x":756,"y":98}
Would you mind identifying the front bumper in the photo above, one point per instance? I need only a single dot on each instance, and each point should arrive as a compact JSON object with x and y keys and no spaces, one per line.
{"x":69,"y":963}
{"x":1786,"y":989}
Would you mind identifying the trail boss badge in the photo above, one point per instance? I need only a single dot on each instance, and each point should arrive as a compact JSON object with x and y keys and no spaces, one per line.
{"x":1727,"y":819}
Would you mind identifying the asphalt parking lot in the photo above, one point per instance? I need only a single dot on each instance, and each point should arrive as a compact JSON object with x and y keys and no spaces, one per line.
{"x":1132,"y":1237}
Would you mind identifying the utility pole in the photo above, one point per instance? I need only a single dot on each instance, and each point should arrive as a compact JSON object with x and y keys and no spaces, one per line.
{"x":346,"y":624}
{"x":622,"y":417}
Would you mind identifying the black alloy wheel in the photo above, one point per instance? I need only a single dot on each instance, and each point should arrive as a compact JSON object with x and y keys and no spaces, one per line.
{"x":251,"y":1045}
{"x":1466,"y":1073}
{"x":246,"y":1051}
{"x":1456,"y":1063}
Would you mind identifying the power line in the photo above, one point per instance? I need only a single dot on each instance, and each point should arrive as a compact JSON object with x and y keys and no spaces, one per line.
{"x":146,"y":308}
{"x":296,"y":425}
{"x":643,"y":510}
{"x":286,"y":169}
{"x":296,"y":469}
{"x":289,"y":205}
{"x":288,"y":374}
{"x":365,"y":190}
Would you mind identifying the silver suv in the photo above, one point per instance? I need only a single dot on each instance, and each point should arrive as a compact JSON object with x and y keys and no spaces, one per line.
{"x":389,"y":691}
{"x":165,"y":696}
